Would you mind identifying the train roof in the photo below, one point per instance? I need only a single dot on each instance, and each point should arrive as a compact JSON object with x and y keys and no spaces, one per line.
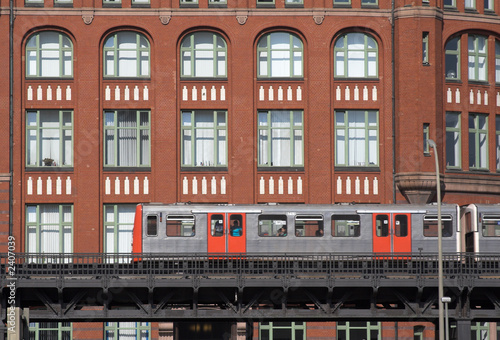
{"x":298,"y":208}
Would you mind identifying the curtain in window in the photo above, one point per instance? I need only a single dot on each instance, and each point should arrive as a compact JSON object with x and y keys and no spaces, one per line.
{"x":477,"y":58}
{"x":127,"y":138}
{"x":127,"y":54}
{"x":204,"y":138}
{"x":119,"y":232}
{"x":50,"y":230}
{"x":497,"y":62}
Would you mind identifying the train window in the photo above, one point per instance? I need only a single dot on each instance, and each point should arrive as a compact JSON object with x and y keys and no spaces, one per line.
{"x":236,"y":225}
{"x":217,"y":225}
{"x":180,"y":226}
{"x":382,"y":225}
{"x":401,"y":226}
{"x":345,"y":226}
{"x":491,"y":226}
{"x":152,"y":225}
{"x":431,"y":225}
{"x":310,"y":225}
{"x":272,"y":225}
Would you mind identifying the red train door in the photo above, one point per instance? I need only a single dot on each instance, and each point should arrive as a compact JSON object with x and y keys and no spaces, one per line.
{"x":226,"y":233}
{"x":392,"y":233}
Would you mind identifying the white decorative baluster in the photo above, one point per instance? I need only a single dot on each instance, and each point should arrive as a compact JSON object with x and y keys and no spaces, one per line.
{"x":184,"y":93}
{"x":146,"y":185}
{"x":117,"y":92}
{"x":365,"y":93}
{"x":136,"y":185}
{"x":223,"y":185}
{"x":203,"y":93}
{"x":348,"y":185}
{"x":213,"y":186}
{"x":68,"y":92}
{"x":39,"y":93}
{"x":204,"y":186}
{"x":338,"y":93}
{"x":223,"y":93}
{"x":280,"y":186}
{"x":39,"y":183}
{"x":136,"y":92}
{"x":194,"y":93}
{"x":213,"y":93}
{"x":261,"y":93}
{"x":339,"y":185}
{"x":49,"y":92}
{"x":29,"y":186}
{"x":367,"y":186}
{"x":271,"y":185}
{"x":375,"y":186}
{"x":185,"y":186}
{"x":262,"y":186}
{"x":126,"y":95}
{"x":486,"y":98}
{"x":107,"y":185}
{"x":357,"y":186}
{"x":29,"y":94}
{"x":289,"y":93}
{"x":374,"y":93}
{"x":356,"y":92}
{"x":471,"y":97}
{"x":299,"y":93}
{"x":347,"y":93}
{"x":107,"y":93}
{"x":195,"y":186}
{"x":280,"y":93}
{"x":271,"y":93}
{"x":448,"y":95}
{"x":146,"y":93}
{"x":299,"y":186}
{"x":126,"y":186}
{"x":68,"y":185}
{"x":457,"y":96}
{"x":58,"y":185}
{"x":478,"y":97}
{"x":58,"y":93}
{"x":117,"y":185}
{"x":290,"y":185}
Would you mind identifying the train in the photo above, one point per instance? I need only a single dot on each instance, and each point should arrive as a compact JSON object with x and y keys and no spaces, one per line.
{"x":184,"y":228}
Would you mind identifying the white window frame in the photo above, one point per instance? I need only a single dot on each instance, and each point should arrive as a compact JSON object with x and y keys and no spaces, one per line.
{"x":196,"y":60}
{"x":280,"y":138}
{"x":350,"y":54}
{"x":204,"y":141}
{"x":277,"y":59}
{"x":357,"y":130}
{"x":119,"y":61}
{"x":43,"y":58}
{"x":50,"y":142}
{"x":127,"y":146}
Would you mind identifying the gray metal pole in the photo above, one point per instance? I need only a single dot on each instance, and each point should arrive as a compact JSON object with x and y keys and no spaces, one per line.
{"x":440,"y":249}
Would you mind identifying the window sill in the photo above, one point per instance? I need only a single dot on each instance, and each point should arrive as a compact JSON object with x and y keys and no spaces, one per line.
{"x":204,"y":169}
{"x":294,"y":5}
{"x":141,"y":5}
{"x":126,"y":169}
{"x":357,"y":169}
{"x":342,"y":6}
{"x":111,"y":5}
{"x":479,"y":82}
{"x":280,"y":79}
{"x":67,"y":5}
{"x":375,"y":79}
{"x":217,"y":5}
{"x":109,"y":78}
{"x":369,"y":6}
{"x":281,"y":169}
{"x":203,"y":79}
{"x":49,"y":169}
{"x":455,"y":81}
{"x":188,"y":6}
{"x":33,"y":78}
{"x":33,"y":4}
{"x":266,"y":6}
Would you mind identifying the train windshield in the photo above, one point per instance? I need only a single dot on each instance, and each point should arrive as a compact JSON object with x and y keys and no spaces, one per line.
{"x":491,"y":226}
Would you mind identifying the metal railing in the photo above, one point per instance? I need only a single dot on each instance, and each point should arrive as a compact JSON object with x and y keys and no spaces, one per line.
{"x":306,"y":266}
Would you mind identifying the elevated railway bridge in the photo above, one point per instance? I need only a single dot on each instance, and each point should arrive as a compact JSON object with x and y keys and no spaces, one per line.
{"x":246,"y":287}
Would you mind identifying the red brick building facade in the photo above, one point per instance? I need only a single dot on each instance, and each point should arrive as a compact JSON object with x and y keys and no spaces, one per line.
{"x":111,"y":103}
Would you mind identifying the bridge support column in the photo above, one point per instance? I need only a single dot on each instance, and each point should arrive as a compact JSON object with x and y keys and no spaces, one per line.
{"x":464,"y":329}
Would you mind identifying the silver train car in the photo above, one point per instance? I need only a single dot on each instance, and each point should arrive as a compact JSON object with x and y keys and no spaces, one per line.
{"x":287,"y":228}
{"x":481,"y":226}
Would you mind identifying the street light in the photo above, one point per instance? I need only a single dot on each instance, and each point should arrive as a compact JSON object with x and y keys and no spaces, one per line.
{"x":446,"y":300}
{"x":440,"y":249}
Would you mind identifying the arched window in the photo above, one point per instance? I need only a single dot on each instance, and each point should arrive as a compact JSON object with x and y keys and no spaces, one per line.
{"x":280,"y":55}
{"x":478,"y":57}
{"x":204,"y":55}
{"x":126,"y":54}
{"x":49,"y":54}
{"x":452,"y":59}
{"x":356,"y":56}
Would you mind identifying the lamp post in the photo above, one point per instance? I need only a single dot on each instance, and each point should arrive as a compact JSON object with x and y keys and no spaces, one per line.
{"x":440,"y":249}
{"x":446,"y":300}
